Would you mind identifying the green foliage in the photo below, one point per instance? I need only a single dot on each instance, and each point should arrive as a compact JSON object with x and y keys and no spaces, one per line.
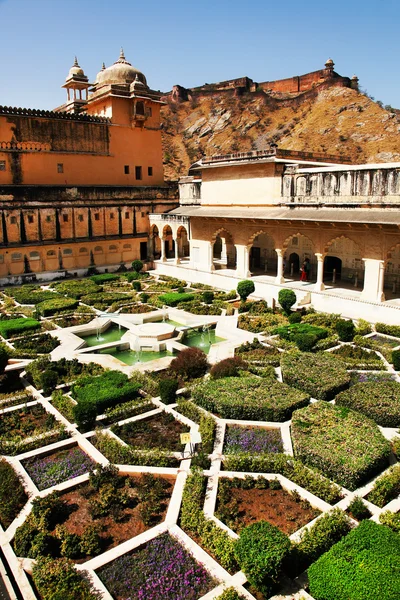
{"x":35,"y":344}
{"x":286,"y":299}
{"x":321,"y":375}
{"x":190,"y":363}
{"x":63,"y":404}
{"x":51,"y":307}
{"x":342,"y":443}
{"x":260,"y":552}
{"x":206,"y":423}
{"x":305,"y":342}
{"x":59,"y":580}
{"x":193,"y":521}
{"x":67,"y":370}
{"x":358,"y":509}
{"x":249,"y":398}
{"x":102,"y":300}
{"x":115,"y":452}
{"x":175,"y":298}
{"x":84,"y":414}
{"x":396,"y":360}
{"x":355,"y":357}
{"x":104,"y":278}
{"x":362,"y":566}
{"x":386,"y":487}
{"x":49,"y":382}
{"x":319,"y":538}
{"x":390,"y":519}
{"x":393,"y":330}
{"x":378,"y":400}
{"x":27,"y":296}
{"x":345,"y":330}
{"x":77,"y":288}
{"x":245,"y":288}
{"x":4,"y":353}
{"x":137,"y":266}
{"x":109,"y":389}
{"x":258,"y":323}
{"x":137,"y":286}
{"x":294,"y":470}
{"x":294,"y":317}
{"x":208,"y":297}
{"x":90,"y":541}
{"x":168,"y":389}
{"x":289,"y":332}
{"x":363,"y":327}
{"x":13,"y":327}
{"x":255,"y":353}
{"x":144,"y":297}
{"x":228,"y":367}
{"x":12,"y":493}
{"x":230,"y":594}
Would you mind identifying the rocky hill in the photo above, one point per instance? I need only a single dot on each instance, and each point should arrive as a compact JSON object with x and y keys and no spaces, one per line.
{"x":334,"y":120}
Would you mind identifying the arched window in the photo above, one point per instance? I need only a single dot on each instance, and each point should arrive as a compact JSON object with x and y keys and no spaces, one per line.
{"x":113,"y":249}
{"x":127,"y":247}
{"x":16,"y":256}
{"x":98,"y":249}
{"x":83,"y":251}
{"x":67,"y":251}
{"x":51,"y":253}
{"x":34,"y":255}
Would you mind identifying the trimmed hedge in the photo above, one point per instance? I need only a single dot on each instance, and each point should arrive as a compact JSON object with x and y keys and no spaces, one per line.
{"x":378,"y":400}
{"x":174,"y":298}
{"x":119,"y":454}
{"x":294,"y":470}
{"x":35,"y":344}
{"x":365,"y":565}
{"x":34,"y":296}
{"x":289,"y":332}
{"x":260,"y":552}
{"x":50,"y":307}
{"x":12,"y":327}
{"x":393,"y":330}
{"x":76,"y":289}
{"x":12,"y":493}
{"x":342,"y":443}
{"x":104,"y":278}
{"x":355,"y":357}
{"x":249,"y":398}
{"x":106,"y":390}
{"x":101,"y":299}
{"x":322,"y":376}
{"x":207,"y":424}
{"x":386,"y":487}
{"x":58,"y":578}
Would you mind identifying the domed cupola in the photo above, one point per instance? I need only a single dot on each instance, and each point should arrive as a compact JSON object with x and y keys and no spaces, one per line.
{"x":120,"y":73}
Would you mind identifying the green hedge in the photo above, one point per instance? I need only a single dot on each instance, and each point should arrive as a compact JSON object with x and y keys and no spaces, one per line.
{"x":393,"y":330}
{"x":12,"y":493}
{"x":76,"y":289}
{"x":13,"y":327}
{"x":386,"y":487}
{"x":322,"y":376}
{"x":109,"y":389}
{"x":342,"y":443}
{"x":289,"y":332}
{"x":104,"y":278}
{"x":37,"y":344}
{"x":357,"y":358}
{"x":378,"y":400}
{"x":207,"y":424}
{"x":34,"y":297}
{"x":294,"y":470}
{"x":249,"y":398}
{"x":362,"y":566}
{"x":104,"y":299}
{"x":50,"y":307}
{"x":174,"y":298}
{"x":119,"y":454}
{"x":58,"y":578}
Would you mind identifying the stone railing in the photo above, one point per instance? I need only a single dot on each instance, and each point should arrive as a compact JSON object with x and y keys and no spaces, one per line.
{"x":49,"y":114}
{"x":25,"y":146}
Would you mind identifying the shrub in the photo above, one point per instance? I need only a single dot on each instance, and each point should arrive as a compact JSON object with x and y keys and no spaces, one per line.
{"x":50,"y":307}
{"x":289,"y":332}
{"x":228,"y":367}
{"x":167,"y":390}
{"x":286,"y":299}
{"x":84,"y":414}
{"x":230,"y":594}
{"x":12,"y":327}
{"x":396,"y":360}
{"x":343,"y":444}
{"x":58,"y":579}
{"x":12,"y":493}
{"x":76,"y":289}
{"x":361,"y":566}
{"x":390,"y":519}
{"x":319,"y":538}
{"x":357,"y":358}
{"x":137,"y":266}
{"x":245,"y":288}
{"x":358,"y":509}
{"x":190,"y":363}
{"x":144,"y":297}
{"x":294,"y":317}
{"x":42,"y":344}
{"x":104,"y":391}
{"x":386,"y":487}
{"x":104,"y":278}
{"x":115,"y":452}
{"x":260,"y":552}
{"x":363,"y":327}
{"x":320,"y":375}
{"x":208,"y":297}
{"x":378,"y":400}
{"x":137,"y":286}
{"x":345,"y":330}
{"x":393,"y":330}
{"x":249,"y":398}
{"x":305,"y":342}
{"x":24,"y":296}
{"x":206,"y":423}
{"x":174,"y":298}
{"x":101,"y":300}
{"x":49,"y":382}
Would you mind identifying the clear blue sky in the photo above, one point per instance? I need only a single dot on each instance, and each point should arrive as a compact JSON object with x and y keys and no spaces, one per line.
{"x":190,"y":43}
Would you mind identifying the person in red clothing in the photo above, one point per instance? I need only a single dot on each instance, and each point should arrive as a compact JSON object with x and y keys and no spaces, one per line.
{"x":305,"y":270}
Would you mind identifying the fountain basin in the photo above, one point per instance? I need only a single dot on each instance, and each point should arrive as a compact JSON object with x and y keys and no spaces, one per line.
{"x":154,"y":331}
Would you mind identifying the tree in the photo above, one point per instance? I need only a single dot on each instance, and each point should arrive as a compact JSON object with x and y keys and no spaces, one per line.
{"x":245,"y":288}
{"x":137,"y":266}
{"x":286,"y":299}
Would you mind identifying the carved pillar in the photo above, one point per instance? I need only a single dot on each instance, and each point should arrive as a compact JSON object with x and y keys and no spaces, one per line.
{"x":177,"y":259}
{"x":242,"y":261}
{"x":319,"y":285}
{"x":163,"y":255}
{"x":279,"y":271}
{"x":374,"y":277}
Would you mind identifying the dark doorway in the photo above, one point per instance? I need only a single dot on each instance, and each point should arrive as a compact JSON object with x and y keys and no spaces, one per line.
{"x":331,"y":263}
{"x":294,"y":260}
{"x":217,"y":250}
{"x":143,"y":250}
{"x":255,"y":258}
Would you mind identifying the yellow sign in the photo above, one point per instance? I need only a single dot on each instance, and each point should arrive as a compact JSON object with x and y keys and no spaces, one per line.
{"x":185,"y":438}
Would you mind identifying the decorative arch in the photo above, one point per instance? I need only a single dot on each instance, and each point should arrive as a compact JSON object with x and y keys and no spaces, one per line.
{"x":83,"y":251}
{"x":223,"y":249}
{"x":182,"y":238}
{"x":340,"y":237}
{"x":154,"y":231}
{"x":219,"y":232}
{"x":255,"y":235}
{"x":98,"y":249}
{"x":346,"y":264}
{"x":127,"y":247}
{"x":286,"y":243}
{"x":113,"y":248}
{"x":34,"y":255}
{"x":167,"y":230}
{"x":394,"y":247}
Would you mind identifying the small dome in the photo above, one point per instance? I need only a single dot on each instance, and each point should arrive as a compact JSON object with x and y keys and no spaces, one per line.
{"x":75,"y":70}
{"x":354,"y":78}
{"x":121,"y":72}
{"x":329,"y":63}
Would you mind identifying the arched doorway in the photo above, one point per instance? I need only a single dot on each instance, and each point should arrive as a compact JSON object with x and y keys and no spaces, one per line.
{"x":155,"y":243}
{"x":224,"y":251}
{"x":392,"y":273}
{"x":168,"y":241}
{"x":262,"y":255}
{"x":293,"y":264}
{"x":343,"y":263}
{"x":183,"y":248}
{"x":298,"y":248}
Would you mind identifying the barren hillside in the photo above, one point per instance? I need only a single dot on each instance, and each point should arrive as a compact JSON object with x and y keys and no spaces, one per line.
{"x":335,"y":120}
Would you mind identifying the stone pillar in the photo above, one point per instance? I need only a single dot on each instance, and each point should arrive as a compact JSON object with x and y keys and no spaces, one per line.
{"x":319,"y":285}
{"x":223,"y":251}
{"x":163,"y":256}
{"x":242,"y":261}
{"x":177,"y":259}
{"x":210,"y":260}
{"x":279,"y":271}
{"x":374,"y":277}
